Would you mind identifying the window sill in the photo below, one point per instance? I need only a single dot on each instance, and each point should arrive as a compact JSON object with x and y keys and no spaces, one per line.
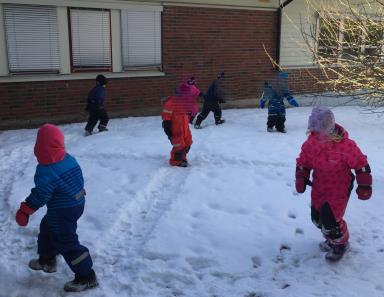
{"x":78,"y":76}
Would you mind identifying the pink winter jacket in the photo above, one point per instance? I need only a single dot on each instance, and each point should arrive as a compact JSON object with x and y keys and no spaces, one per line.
{"x":331,"y":162}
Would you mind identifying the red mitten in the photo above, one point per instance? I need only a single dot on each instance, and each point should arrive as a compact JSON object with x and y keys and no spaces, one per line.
{"x":22,"y":215}
{"x":302,"y":178}
{"x":364,"y":192}
{"x":364,"y":183}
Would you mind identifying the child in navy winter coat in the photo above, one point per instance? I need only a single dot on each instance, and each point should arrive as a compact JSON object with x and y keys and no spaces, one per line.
{"x":59,"y":185}
{"x":212,"y":100}
{"x":95,"y":106}
{"x":275,"y":98}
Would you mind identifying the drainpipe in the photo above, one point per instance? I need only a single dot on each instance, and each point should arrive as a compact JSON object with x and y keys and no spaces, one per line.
{"x":279,"y":22}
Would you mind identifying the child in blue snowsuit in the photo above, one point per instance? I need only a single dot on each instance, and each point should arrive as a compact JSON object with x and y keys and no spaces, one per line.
{"x":275,"y":98}
{"x":59,"y":185}
{"x":95,"y":106}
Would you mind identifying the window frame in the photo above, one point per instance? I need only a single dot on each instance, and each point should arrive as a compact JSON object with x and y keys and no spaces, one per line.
{"x":144,"y":67}
{"x":7,"y":49}
{"x":75,"y":69}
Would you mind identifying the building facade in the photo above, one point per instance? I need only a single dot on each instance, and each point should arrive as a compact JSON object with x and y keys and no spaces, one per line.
{"x":50,"y":54}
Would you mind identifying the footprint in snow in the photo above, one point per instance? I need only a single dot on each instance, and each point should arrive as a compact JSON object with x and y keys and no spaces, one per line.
{"x":285,"y":247}
{"x":199,"y":263}
{"x":256,"y":294}
{"x":256,"y":261}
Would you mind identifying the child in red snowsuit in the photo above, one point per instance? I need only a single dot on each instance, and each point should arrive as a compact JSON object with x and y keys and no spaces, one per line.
{"x":331,"y":155}
{"x":176,"y":115}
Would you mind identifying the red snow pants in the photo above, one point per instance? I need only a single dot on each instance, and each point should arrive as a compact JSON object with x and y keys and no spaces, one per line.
{"x":181,"y":138}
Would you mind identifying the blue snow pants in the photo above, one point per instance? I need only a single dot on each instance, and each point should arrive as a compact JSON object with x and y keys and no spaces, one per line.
{"x":58,"y":236}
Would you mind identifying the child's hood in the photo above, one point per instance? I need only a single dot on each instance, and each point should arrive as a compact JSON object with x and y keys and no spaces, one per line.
{"x":49,"y":146}
{"x":185,"y":89}
{"x":338,"y":134}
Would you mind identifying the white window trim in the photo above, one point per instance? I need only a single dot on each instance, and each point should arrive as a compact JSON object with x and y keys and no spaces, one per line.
{"x":3,"y":47}
{"x":92,"y":4}
{"x":79,"y":76}
{"x":117,"y":62}
{"x":65,"y":56}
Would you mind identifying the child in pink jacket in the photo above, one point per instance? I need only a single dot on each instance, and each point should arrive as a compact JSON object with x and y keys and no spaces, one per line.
{"x":331,"y":155}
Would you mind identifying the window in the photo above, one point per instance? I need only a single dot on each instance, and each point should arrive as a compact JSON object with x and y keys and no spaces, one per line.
{"x":141,"y":38}
{"x":32,"y":38}
{"x":349,"y":40}
{"x":328,"y":38}
{"x":90,"y":39}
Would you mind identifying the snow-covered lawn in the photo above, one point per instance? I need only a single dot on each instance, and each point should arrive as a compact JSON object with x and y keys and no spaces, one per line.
{"x":230,"y":225}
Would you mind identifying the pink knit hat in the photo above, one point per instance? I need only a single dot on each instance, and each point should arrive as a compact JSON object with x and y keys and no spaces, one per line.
{"x":321,"y":120}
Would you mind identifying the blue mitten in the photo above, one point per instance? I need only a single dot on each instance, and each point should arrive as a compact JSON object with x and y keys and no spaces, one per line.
{"x":262,"y":103}
{"x":292,"y":101}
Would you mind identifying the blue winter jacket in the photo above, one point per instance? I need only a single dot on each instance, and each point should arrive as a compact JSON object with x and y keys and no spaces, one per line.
{"x":275,"y":100}
{"x":58,"y":185}
{"x":96,"y":98}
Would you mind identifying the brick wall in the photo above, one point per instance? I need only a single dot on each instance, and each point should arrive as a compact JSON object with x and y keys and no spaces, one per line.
{"x":198,"y":41}
{"x":306,"y":80}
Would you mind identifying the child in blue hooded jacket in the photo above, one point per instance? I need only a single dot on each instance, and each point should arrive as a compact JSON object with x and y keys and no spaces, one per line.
{"x":95,"y":106}
{"x":59,"y":185}
{"x":275,"y":98}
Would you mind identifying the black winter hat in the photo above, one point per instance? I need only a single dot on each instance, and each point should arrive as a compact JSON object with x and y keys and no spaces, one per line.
{"x":101,"y":80}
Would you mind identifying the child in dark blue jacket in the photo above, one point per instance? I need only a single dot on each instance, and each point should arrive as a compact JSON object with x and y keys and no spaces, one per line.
{"x":59,"y":185}
{"x":275,"y":98}
{"x":96,"y":108}
{"x":212,"y":100}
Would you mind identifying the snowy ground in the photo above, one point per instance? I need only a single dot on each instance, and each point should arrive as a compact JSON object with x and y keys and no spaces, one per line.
{"x":230,"y":225}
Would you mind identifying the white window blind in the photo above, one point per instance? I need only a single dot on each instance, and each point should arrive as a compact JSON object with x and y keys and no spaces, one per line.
{"x":91,"y":38}
{"x":32,"y":38}
{"x":141,"y":38}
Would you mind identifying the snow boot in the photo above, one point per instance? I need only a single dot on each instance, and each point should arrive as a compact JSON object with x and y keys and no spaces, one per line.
{"x":269,"y":129}
{"x":197,"y":126}
{"x":325,"y":246}
{"x":219,"y":122}
{"x":337,"y":252}
{"x":183,"y":163}
{"x":282,"y":130}
{"x":87,"y":133}
{"x":102,"y":128}
{"x":48,"y":265}
{"x":82,"y":283}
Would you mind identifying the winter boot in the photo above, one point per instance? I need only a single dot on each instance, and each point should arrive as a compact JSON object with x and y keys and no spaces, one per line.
{"x":337,"y":252}
{"x":282,"y":130}
{"x":197,"y":126}
{"x":102,"y":128}
{"x":87,"y":133}
{"x":270,"y":129}
{"x":183,"y":163}
{"x":48,"y":265}
{"x":219,"y":122}
{"x":325,"y":246}
{"x":82,"y":283}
